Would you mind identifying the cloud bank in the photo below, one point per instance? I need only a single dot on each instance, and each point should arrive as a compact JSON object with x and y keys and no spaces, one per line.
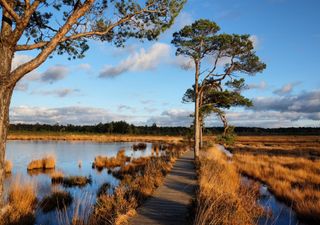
{"x":139,"y":61}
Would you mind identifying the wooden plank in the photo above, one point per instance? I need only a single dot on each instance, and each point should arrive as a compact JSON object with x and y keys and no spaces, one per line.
{"x":169,"y":203}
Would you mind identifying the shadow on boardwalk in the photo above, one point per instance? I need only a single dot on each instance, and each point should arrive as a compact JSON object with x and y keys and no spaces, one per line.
{"x":170,"y":202}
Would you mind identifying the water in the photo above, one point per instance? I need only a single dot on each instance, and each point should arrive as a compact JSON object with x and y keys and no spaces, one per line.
{"x":68,"y":155}
{"x":278,"y":212}
{"x":281,"y":214}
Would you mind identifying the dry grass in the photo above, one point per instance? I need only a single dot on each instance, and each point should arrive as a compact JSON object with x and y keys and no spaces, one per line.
{"x":306,"y":146}
{"x":8,"y":166}
{"x":56,"y":200}
{"x":79,"y":181}
{"x":120,"y":159}
{"x":48,"y":162}
{"x":70,"y":181}
{"x":57,"y":177}
{"x":222,"y":199}
{"x":293,"y":180}
{"x":55,"y":136}
{"x":21,"y":204}
{"x":139,"y":146}
{"x":139,"y":180}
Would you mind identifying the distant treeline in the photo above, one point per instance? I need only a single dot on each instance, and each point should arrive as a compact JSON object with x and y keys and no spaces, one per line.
{"x":122,"y":127}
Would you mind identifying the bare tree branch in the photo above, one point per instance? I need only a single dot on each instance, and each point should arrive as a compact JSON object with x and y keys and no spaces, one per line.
{"x":27,"y":47}
{"x":19,"y":72}
{"x":24,"y":20}
{"x":27,"y":3}
{"x":8,"y":8}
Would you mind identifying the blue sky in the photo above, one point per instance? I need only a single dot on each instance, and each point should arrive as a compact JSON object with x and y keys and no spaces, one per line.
{"x":143,"y":83}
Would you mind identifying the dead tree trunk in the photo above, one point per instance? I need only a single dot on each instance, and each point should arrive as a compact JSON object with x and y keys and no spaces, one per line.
{"x":225,"y":123}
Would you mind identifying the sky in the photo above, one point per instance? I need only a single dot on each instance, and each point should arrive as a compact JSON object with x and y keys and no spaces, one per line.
{"x":143,"y":83}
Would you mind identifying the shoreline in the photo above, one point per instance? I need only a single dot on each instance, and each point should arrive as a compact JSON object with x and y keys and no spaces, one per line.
{"x":91,"y":137}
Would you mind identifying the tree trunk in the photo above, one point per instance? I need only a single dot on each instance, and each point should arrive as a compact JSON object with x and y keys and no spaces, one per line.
{"x":196,"y":112}
{"x":5,"y":97}
{"x":201,"y":136}
{"x":6,"y":89}
{"x":225,"y":124}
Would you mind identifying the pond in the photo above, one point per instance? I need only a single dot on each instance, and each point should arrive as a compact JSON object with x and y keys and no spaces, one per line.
{"x":68,"y":155}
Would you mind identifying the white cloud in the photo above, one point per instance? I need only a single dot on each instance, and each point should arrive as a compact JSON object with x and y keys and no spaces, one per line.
{"x":260,"y":86}
{"x":126,"y":108}
{"x":54,"y":73}
{"x":21,"y":86}
{"x":84,"y":66}
{"x":63,"y":115}
{"x":19,"y":60}
{"x":172,"y":117}
{"x":183,"y":62}
{"x":305,"y":102}
{"x":61,"y":93}
{"x":286,"y":89}
{"x":139,"y":61}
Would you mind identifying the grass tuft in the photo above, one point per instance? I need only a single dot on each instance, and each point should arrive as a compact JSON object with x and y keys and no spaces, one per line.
{"x":101,"y":162}
{"x":8,"y":166}
{"x":47,"y":162}
{"x":56,"y":200}
{"x":139,"y":146}
{"x":20,"y":208}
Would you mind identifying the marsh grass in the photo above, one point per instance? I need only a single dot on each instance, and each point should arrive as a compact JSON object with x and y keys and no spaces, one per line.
{"x":8,"y":166}
{"x":80,"y":212}
{"x":139,"y":146}
{"x":303,"y":146}
{"x":70,"y":181}
{"x":101,"y":162}
{"x":222,"y":199}
{"x":58,"y":199}
{"x":21,"y":203}
{"x":57,"y":177}
{"x":48,"y":162}
{"x":296,"y":181}
{"x":79,"y":181}
{"x":139,"y":179}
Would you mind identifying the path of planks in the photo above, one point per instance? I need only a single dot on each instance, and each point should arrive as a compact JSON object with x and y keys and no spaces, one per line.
{"x":169,"y":204}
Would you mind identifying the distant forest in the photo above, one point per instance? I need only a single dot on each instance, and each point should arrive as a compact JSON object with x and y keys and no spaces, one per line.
{"x":122,"y":127}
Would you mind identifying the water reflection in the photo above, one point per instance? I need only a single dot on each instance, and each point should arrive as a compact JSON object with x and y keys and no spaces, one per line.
{"x":72,"y":159}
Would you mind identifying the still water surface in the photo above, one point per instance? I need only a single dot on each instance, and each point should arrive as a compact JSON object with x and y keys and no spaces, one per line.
{"x":68,"y":155}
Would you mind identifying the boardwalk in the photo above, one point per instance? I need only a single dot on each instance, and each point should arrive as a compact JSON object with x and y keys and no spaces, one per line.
{"x":170,"y":202}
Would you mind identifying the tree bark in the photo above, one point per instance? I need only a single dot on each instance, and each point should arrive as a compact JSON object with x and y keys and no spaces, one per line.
{"x":5,"y":96}
{"x":196,"y":111}
{"x":6,"y":89}
{"x":201,"y":136}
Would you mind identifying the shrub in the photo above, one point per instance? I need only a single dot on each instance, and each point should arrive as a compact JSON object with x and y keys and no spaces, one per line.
{"x":227,"y":139}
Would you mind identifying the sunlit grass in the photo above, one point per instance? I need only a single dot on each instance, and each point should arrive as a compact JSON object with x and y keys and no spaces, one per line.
{"x":21,"y":202}
{"x":222,"y":199}
{"x":292,"y":179}
{"x":48,"y":162}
